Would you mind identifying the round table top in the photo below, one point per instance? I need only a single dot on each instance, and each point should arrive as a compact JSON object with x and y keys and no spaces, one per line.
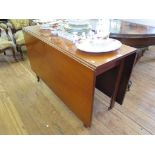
{"x":126,"y":29}
{"x":132,"y":34}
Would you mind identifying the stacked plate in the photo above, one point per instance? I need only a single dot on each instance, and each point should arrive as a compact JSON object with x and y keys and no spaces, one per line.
{"x":77,"y":26}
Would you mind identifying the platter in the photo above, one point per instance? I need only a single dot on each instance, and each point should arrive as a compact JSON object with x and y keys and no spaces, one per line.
{"x":98,"y":46}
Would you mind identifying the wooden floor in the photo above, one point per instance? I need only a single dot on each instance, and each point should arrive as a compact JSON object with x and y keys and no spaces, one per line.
{"x":29,"y":107}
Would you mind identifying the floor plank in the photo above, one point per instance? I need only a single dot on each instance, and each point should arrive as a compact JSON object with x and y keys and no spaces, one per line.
{"x":29,"y":107}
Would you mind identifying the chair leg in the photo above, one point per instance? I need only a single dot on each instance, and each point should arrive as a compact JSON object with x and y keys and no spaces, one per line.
{"x":14,"y":53}
{"x":4,"y":53}
{"x":21,"y":52}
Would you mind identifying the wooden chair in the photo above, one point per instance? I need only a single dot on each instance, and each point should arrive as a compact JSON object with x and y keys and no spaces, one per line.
{"x":6,"y":42}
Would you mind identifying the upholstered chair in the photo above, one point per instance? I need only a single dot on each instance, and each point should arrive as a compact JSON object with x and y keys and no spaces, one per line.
{"x":16,"y":26}
{"x":6,"y":42}
{"x":3,"y":26}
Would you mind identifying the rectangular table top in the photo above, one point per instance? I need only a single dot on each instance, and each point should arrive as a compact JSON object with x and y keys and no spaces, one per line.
{"x":93,"y":61}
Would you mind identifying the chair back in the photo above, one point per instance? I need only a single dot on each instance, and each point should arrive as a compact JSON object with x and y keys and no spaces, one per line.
{"x":18,"y":24}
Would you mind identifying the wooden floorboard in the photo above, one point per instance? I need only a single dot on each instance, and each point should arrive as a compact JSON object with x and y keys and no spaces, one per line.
{"x":29,"y":107}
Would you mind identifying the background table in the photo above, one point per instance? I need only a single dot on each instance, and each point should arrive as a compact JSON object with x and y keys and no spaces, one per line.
{"x":139,"y":35}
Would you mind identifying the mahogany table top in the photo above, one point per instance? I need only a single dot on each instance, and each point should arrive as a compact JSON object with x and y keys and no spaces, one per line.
{"x":92,"y":61}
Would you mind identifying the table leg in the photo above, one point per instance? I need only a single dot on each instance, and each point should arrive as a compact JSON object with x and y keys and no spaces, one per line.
{"x":38,"y":78}
{"x":140,"y":53}
{"x":118,"y":79}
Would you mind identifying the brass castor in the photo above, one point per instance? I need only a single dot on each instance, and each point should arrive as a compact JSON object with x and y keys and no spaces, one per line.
{"x":86,"y":125}
{"x":109,"y":108}
{"x":129,"y":85}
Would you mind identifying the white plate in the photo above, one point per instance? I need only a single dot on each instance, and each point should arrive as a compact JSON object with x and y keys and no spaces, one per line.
{"x":99,"y":46}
